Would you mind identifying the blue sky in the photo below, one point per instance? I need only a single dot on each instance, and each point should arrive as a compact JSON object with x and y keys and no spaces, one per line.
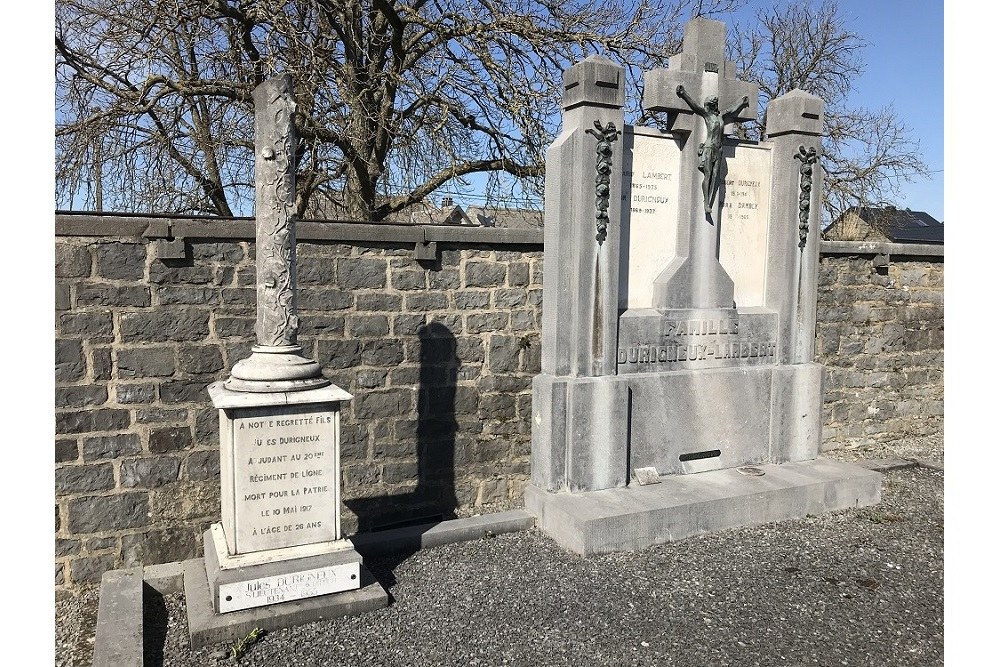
{"x":904,"y":61}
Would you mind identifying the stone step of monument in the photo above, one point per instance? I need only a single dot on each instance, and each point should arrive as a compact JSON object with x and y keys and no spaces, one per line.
{"x":636,"y":517}
{"x":423,"y":536}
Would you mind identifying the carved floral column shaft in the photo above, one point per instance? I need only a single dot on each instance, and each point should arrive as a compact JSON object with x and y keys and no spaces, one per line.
{"x":276,"y":363}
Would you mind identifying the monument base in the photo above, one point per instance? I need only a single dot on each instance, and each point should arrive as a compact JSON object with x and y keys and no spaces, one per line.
{"x":277,"y":575}
{"x":636,"y":517}
{"x":591,"y":433}
{"x":206,"y":626}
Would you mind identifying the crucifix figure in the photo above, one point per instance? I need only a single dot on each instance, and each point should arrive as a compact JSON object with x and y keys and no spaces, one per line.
{"x":710,"y":150}
{"x":695,"y":278}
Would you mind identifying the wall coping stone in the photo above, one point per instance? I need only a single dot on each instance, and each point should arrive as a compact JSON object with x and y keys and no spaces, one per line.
{"x":147,"y":226}
{"x":881,"y":248}
{"x":242,"y":229}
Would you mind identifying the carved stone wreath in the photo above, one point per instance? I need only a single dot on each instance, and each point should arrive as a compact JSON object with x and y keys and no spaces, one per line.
{"x":808,"y":159}
{"x":606,"y":135}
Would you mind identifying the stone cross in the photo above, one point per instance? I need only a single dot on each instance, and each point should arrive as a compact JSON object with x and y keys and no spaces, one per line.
{"x":276,"y":363}
{"x":701,"y":74}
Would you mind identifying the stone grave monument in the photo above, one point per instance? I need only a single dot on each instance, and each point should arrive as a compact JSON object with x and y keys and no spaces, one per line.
{"x":278,"y":557}
{"x":678,"y":392}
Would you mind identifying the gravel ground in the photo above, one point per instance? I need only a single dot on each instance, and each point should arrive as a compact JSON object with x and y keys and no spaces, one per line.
{"x":857,"y":587}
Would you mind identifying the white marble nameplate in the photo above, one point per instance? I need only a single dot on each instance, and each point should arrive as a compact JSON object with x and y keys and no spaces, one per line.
{"x":746,"y":206}
{"x":650,"y":215}
{"x":286,"y":478}
{"x":288,"y":587}
{"x":650,"y":166}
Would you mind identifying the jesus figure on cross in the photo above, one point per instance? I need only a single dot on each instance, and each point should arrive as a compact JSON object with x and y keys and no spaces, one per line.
{"x":710,"y":151}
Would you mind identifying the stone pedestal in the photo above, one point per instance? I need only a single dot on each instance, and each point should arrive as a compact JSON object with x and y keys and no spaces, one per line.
{"x":279,"y":541}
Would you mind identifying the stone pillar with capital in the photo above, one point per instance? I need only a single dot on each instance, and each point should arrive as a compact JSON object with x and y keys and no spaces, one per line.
{"x":578,"y":438}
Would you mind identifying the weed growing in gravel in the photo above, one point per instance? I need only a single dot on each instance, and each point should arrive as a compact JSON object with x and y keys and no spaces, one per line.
{"x":237,"y":650}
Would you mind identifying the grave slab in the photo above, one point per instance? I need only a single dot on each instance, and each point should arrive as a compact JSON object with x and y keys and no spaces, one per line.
{"x":681,"y":506}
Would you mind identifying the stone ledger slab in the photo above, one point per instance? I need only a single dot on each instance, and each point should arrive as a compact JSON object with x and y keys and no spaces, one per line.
{"x":636,"y":517}
{"x":119,"y":638}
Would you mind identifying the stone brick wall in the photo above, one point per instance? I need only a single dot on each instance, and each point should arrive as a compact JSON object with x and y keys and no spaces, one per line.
{"x":438,"y":353}
{"x":880,"y":334}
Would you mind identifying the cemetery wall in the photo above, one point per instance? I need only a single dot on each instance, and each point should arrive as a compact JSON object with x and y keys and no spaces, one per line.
{"x":439,"y":353}
{"x":880,"y":334}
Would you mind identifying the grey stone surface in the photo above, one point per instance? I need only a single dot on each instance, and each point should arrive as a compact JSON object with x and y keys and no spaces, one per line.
{"x":885,"y":465}
{"x":70,"y":362}
{"x":67,"y":449}
{"x":165,"y":578}
{"x":267,"y":584}
{"x":81,"y":479}
{"x":89,"y":569}
{"x":170,"y":439}
{"x":149,"y":473}
{"x":84,"y":421}
{"x":93,"y":514}
{"x":145,"y":361}
{"x":158,"y":546}
{"x":121,"y":261}
{"x":72,"y":261}
{"x":431,"y":535}
{"x":159,"y":326}
{"x":79,"y":396}
{"x":119,"y":639}
{"x":682,"y":506}
{"x":361,"y":273}
{"x":111,"y":446}
{"x":113,"y":295}
{"x":206,"y":627}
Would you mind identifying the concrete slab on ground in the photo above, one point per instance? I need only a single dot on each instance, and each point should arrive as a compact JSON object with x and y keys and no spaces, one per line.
{"x":424,"y":536}
{"x":118,"y":641}
{"x":635,"y":517}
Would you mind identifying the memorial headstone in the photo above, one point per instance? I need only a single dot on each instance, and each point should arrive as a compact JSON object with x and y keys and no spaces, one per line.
{"x":280,"y":537}
{"x":678,"y":327}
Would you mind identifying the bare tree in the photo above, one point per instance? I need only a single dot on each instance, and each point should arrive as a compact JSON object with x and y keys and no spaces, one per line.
{"x":866,"y":152}
{"x":396,"y":98}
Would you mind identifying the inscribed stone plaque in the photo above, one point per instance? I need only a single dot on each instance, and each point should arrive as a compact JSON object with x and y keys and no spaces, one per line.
{"x":746,"y":205}
{"x":651,"y":341}
{"x":285,"y":476}
{"x":650,"y":166}
{"x":288,"y":587}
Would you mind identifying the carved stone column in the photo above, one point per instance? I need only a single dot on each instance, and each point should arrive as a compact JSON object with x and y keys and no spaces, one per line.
{"x":276,"y":363}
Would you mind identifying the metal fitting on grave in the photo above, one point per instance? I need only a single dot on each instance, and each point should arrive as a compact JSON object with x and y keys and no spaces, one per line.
{"x":606,"y":135}
{"x":808,"y":159}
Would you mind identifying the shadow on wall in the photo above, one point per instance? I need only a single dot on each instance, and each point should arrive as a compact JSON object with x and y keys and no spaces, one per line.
{"x":433,"y":498}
